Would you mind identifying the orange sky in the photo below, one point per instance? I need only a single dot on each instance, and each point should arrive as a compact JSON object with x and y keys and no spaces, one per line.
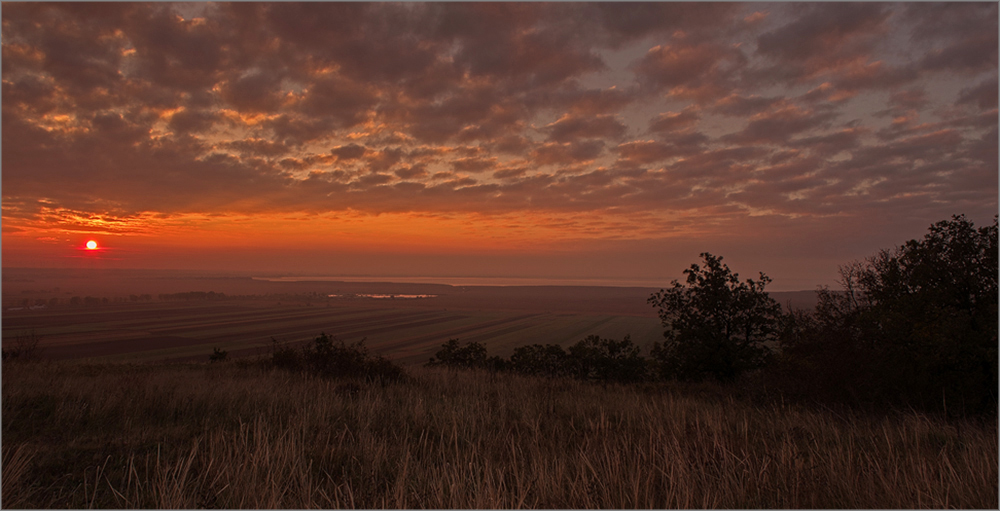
{"x":555,"y":140}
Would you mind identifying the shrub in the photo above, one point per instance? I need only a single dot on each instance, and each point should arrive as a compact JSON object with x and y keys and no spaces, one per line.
{"x":595,"y":358}
{"x":496,"y":363}
{"x":285,"y":357}
{"x":537,"y":360}
{"x":330,"y":357}
{"x":471,"y":356}
{"x":592,"y":358}
{"x":23,"y":348}
{"x":218,"y":355}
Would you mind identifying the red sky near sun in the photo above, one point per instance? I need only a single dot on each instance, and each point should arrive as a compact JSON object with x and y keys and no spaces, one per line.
{"x":601,"y":140}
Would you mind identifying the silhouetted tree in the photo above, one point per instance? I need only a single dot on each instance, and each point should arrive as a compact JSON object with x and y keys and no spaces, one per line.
{"x":715,"y":325}
{"x":914,"y":326}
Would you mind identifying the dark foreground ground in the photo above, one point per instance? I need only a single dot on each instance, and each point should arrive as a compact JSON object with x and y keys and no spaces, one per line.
{"x":238,"y":436}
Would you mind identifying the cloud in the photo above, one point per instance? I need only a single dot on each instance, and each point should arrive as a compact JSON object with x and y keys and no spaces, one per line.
{"x":257,"y":147}
{"x":473,"y":164}
{"x":964,"y":36}
{"x":411,"y":172}
{"x":554,"y":153}
{"x":674,"y":121}
{"x":831,"y":144}
{"x":368,"y":42}
{"x":193,"y":121}
{"x":735,"y":105}
{"x":595,"y":102}
{"x":255,"y":91}
{"x":348,"y":152}
{"x":342,"y":102}
{"x":511,"y":144}
{"x":822,"y":36}
{"x":779,"y":125}
{"x":632,"y":113}
{"x":517,"y":45}
{"x":175,"y":53}
{"x":908,"y":99}
{"x":647,"y":151}
{"x":569,"y":128}
{"x":629,"y":21}
{"x":701,"y":71}
{"x":983,"y":95}
{"x":379,"y":161}
{"x":859,"y":75}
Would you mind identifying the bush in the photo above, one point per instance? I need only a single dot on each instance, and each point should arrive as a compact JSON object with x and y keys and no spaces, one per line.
{"x":537,"y":360}
{"x":330,"y":357}
{"x":218,"y":355}
{"x":594,"y":358}
{"x":23,"y":348}
{"x":496,"y":363}
{"x":471,"y":356}
{"x":285,"y":357}
{"x":590,"y":359}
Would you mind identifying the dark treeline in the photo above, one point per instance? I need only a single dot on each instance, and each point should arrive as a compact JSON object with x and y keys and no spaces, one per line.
{"x":914,"y":327}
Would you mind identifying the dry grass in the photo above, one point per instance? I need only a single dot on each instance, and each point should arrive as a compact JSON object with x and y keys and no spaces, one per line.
{"x":223,"y":436}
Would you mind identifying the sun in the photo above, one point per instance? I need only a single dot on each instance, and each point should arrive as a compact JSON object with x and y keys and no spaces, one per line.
{"x":91,"y":245}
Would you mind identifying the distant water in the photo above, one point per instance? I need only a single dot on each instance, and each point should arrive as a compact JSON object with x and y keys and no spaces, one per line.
{"x":479,"y":281}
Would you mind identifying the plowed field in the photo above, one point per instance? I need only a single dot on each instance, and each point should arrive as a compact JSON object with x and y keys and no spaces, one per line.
{"x":184,"y":331}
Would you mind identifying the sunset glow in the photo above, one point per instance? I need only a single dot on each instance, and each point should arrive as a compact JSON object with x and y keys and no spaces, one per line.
{"x":531,"y":139}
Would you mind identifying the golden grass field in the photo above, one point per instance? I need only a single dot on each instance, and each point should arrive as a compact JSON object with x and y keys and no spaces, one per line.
{"x":232,"y":435}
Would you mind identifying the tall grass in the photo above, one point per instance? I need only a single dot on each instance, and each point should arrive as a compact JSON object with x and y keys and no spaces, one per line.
{"x":231,"y":436}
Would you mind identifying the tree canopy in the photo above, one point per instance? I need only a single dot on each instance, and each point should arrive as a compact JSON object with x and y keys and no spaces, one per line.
{"x":916,"y":324}
{"x":715,"y":325}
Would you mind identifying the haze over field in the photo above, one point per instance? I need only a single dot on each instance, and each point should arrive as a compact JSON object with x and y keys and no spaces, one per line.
{"x":532,"y":140}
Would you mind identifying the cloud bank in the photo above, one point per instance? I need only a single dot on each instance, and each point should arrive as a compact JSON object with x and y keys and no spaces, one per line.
{"x":639,"y":121}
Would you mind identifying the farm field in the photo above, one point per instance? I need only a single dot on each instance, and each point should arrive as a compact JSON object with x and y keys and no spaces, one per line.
{"x":170,"y":331}
{"x":119,"y":328}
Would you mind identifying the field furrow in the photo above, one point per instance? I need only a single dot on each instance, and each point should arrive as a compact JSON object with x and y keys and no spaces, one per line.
{"x":116,"y":314}
{"x":259,"y":318}
{"x":152,"y":332}
{"x":447,"y":334}
{"x":199,"y":347}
